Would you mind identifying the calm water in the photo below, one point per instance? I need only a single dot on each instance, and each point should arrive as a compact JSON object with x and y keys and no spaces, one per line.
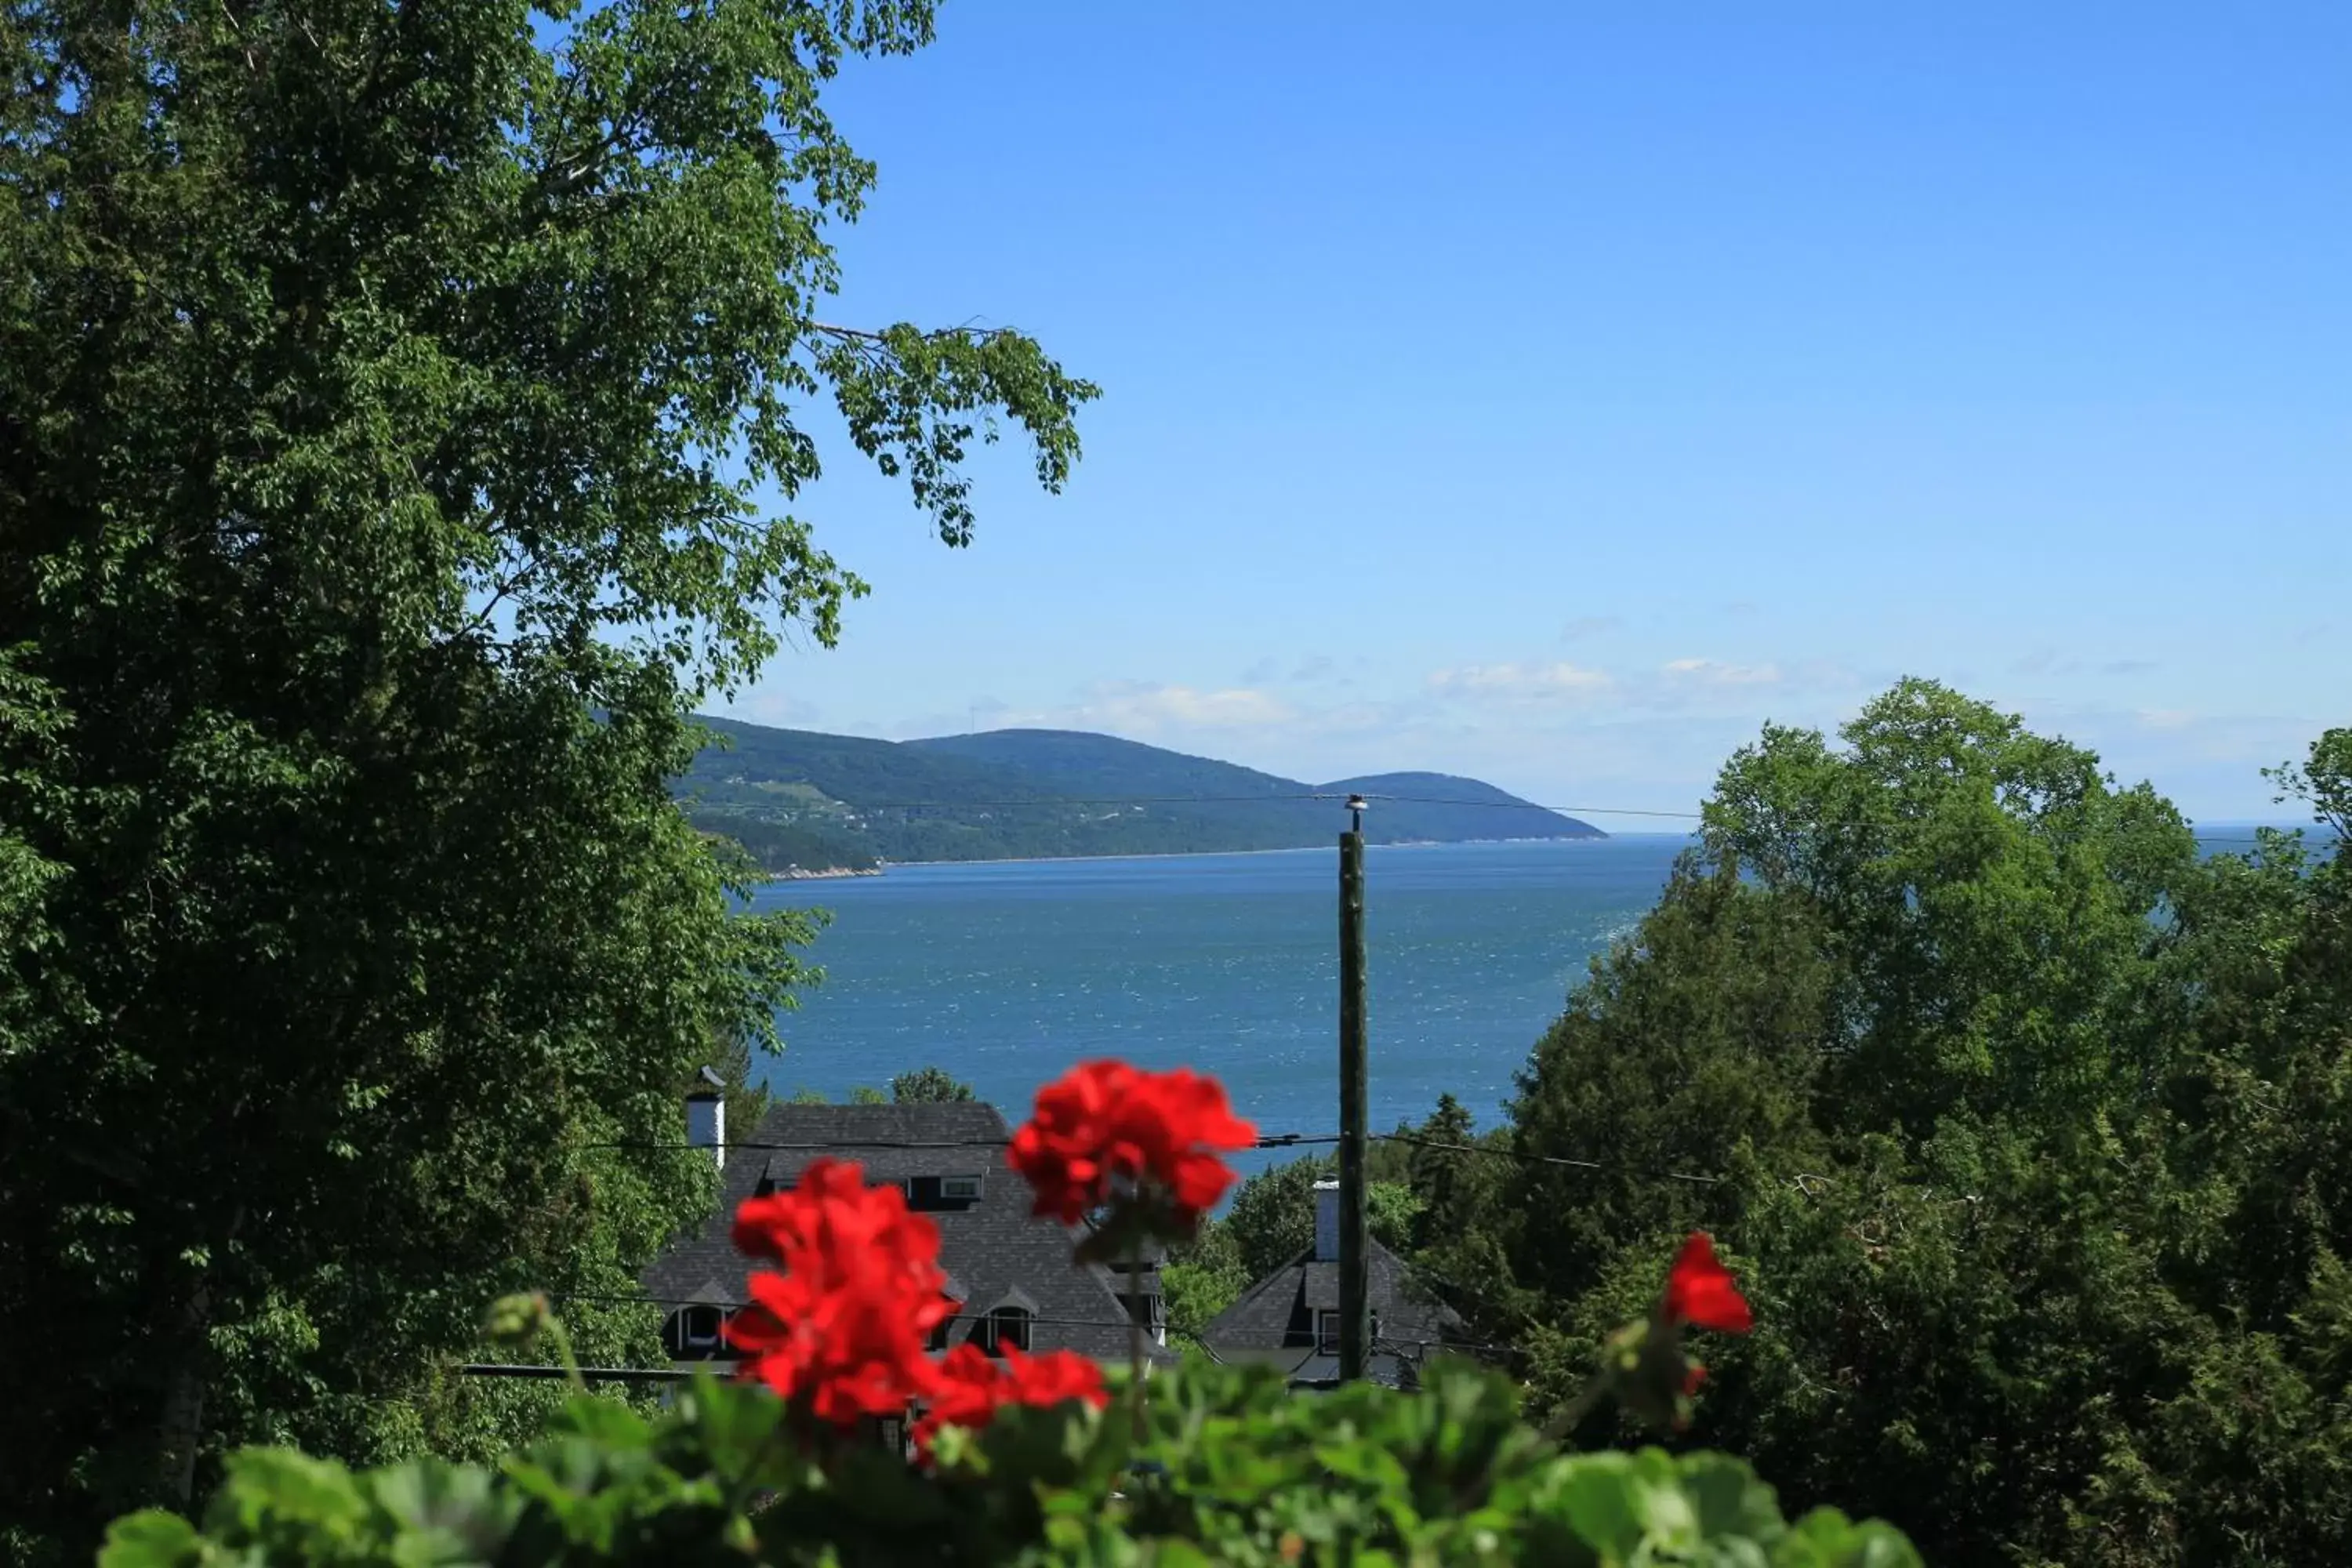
{"x":1005,"y":974}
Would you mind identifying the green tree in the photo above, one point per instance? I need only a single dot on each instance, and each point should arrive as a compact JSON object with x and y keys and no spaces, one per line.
{"x":1202,"y":1278}
{"x":747,"y":1099}
{"x":2011,"y":1113}
{"x":1271,"y":1219}
{"x":928,"y":1086}
{"x":401,"y":412}
{"x":1457,"y":1175}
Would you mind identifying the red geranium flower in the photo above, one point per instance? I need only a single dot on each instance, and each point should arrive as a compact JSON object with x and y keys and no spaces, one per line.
{"x":1104,"y":1123}
{"x":1051,"y":1378}
{"x":969,"y":1387}
{"x":1700,"y":1291}
{"x":845,"y":1322}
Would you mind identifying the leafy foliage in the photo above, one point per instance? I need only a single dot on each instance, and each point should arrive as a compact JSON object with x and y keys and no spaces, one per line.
{"x":399,"y":408}
{"x":1231,"y":1469}
{"x":929,"y":1086}
{"x":2013,"y":1112}
{"x":1270,"y":1222}
{"x":1271,"y":1219}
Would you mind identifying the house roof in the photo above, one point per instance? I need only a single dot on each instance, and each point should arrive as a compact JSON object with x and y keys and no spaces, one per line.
{"x":1278,"y":1313}
{"x":995,"y":1251}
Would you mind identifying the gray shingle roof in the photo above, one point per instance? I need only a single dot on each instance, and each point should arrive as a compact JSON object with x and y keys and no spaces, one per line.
{"x":994,"y":1250}
{"x":1278,"y":1311}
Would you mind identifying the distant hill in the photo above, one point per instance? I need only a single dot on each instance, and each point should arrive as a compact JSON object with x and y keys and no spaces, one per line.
{"x":796,"y":798}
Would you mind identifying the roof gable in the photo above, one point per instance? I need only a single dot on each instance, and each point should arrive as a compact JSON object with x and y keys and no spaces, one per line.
{"x":993,"y":1249}
{"x":1278,"y":1311}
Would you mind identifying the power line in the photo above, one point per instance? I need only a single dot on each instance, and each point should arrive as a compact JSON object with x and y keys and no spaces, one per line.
{"x":853,"y":806}
{"x":1311,"y":795}
{"x":1530,"y":1157}
{"x":1275,"y":1141}
{"x":1122,"y":1324}
{"x":587,"y":1374}
{"x":1532,"y":805}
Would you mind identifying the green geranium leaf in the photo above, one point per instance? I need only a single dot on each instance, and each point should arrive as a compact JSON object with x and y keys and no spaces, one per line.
{"x":152,"y":1540}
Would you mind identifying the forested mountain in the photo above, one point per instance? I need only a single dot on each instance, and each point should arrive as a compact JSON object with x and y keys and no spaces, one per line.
{"x":802,"y":800}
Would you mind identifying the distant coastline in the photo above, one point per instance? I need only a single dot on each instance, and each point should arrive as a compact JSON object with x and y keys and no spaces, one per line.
{"x":825,"y":803}
{"x":797,"y":875}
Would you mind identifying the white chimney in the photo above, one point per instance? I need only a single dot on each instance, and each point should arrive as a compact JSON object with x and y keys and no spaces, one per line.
{"x":705,"y":1119}
{"x":1327,"y":1222}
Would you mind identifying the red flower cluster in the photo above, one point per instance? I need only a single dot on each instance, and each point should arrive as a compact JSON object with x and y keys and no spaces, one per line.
{"x":861,"y":1289}
{"x":1700,"y":1290}
{"x":1104,"y":1123}
{"x":969,"y":1386}
{"x":844,"y":1324}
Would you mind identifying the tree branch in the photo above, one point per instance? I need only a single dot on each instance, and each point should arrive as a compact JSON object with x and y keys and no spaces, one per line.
{"x":863,"y":335}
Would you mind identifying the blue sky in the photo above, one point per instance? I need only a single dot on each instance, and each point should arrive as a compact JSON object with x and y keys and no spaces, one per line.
{"x":1555,"y":393}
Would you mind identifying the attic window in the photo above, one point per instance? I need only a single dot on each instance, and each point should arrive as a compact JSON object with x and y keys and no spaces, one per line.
{"x":1004,"y":1326}
{"x":1327,"y":1332}
{"x":698,"y":1328}
{"x":933,"y":1193}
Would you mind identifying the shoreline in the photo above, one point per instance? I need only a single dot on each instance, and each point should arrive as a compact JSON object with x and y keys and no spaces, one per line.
{"x":1199,"y":854}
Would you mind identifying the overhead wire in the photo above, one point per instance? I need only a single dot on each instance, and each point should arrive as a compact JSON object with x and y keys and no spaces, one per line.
{"x":1277,"y":1140}
{"x":1323,"y":795}
{"x":1273,"y":1141}
{"x":1311,"y":795}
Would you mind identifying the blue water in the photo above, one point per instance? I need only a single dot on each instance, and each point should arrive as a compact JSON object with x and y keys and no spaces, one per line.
{"x":1006,"y":974}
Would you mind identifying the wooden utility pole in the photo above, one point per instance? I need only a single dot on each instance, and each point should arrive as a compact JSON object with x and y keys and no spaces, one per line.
{"x":1355,"y":1314}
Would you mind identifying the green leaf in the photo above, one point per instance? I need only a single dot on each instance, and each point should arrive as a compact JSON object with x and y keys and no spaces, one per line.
{"x":152,"y":1540}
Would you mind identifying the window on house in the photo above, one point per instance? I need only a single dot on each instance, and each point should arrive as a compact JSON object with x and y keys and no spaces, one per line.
{"x":1006,"y":1326}
{"x":929,"y":1193}
{"x":698,"y":1329}
{"x":1327,"y":1332}
{"x":1150,"y":1309}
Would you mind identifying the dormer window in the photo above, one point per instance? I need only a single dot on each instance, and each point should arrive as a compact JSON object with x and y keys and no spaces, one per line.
{"x":936,"y":1193}
{"x":1327,"y":1332}
{"x":695,"y":1330}
{"x":1006,"y":1326}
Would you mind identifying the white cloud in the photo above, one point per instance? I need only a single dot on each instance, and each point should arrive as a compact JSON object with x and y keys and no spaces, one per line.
{"x":773,"y":708}
{"x":1131,"y":705}
{"x":1714,"y":672}
{"x":1517,"y":682}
